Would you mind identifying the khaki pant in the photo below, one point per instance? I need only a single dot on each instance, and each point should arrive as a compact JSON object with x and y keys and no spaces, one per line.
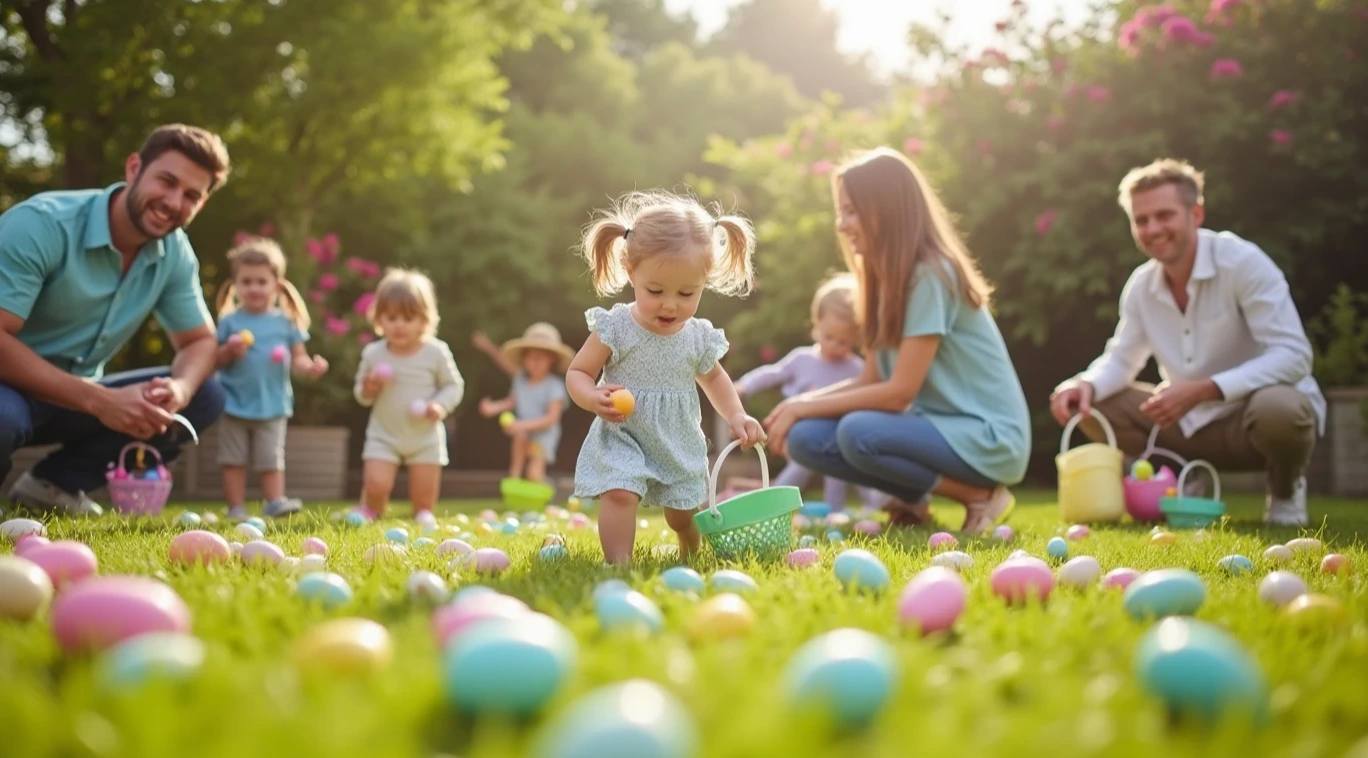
{"x":1274,"y":432}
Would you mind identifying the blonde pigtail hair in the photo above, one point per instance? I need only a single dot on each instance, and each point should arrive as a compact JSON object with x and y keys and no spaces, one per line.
{"x":295,"y":306}
{"x":734,"y":273}
{"x":226,"y":302}
{"x":601,"y":248}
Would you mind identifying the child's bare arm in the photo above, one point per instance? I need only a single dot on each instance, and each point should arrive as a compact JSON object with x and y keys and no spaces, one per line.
{"x":581,"y":381}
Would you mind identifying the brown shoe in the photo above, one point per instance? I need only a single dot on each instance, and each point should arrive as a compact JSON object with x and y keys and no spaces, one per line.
{"x":904,"y":514}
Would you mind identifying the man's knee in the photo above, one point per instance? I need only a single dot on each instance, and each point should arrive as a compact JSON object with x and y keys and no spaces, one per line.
{"x":1280,"y":414}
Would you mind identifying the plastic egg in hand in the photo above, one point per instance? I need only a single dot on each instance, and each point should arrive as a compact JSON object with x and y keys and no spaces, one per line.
{"x":509,"y":667}
{"x":1199,"y":670}
{"x":637,"y":718}
{"x":279,"y":354}
{"x":384,"y":372}
{"x":849,"y":674}
{"x":861,"y":569}
{"x":427,"y":587}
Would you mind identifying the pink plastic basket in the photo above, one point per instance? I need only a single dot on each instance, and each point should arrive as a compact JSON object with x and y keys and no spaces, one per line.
{"x":129,"y":489}
{"x":1142,"y":497}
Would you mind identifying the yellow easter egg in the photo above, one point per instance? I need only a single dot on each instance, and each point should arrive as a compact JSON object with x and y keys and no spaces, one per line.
{"x":623,"y":401}
{"x":722,"y":617}
{"x":573,"y":504}
{"x":385,"y":554}
{"x":247,"y":337}
{"x":506,"y":418}
{"x":1306,"y":545}
{"x":1163,"y":538}
{"x":344,"y":646}
{"x":25,"y":589}
{"x":1312,"y":610}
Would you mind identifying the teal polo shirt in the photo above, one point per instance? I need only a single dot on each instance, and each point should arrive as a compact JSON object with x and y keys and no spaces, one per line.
{"x":60,"y":272}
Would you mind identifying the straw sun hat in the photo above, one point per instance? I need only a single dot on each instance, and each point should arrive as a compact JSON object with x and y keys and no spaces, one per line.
{"x":540,"y":336}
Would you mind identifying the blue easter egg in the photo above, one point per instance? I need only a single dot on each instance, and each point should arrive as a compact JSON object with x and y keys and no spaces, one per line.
{"x":636,"y":718}
{"x":611,"y":586}
{"x":423,"y":542}
{"x":807,"y":540}
{"x":159,"y":655}
{"x":511,"y":520}
{"x":509,"y":528}
{"x":257,"y":522}
{"x":627,"y":610}
{"x":847,"y":673}
{"x":551,"y":553}
{"x":731,"y":580}
{"x":151,"y":475}
{"x":508,"y":667}
{"x":1236,"y":564}
{"x":816,"y":509}
{"x":471,"y":591}
{"x":860,"y":569}
{"x":834,"y":535}
{"x":1057,"y":547}
{"x":398,"y":535}
{"x":354,"y":519}
{"x":190,"y":518}
{"x":466,"y":536}
{"x":1198,"y":669}
{"x":683,"y":579}
{"x":1166,"y":592}
{"x":324,"y":587}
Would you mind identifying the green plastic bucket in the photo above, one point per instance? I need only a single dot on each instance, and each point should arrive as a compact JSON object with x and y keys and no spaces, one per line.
{"x":758,"y":523}
{"x":1187,"y":512}
{"x":524,"y":494}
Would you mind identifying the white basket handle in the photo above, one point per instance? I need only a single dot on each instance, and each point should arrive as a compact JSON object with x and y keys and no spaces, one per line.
{"x":717,"y":469}
{"x":185,"y":422}
{"x":1151,"y":450}
{"x":1073,"y":424}
{"x":1215,"y":477}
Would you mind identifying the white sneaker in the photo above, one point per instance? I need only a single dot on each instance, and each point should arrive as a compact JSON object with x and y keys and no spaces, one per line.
{"x":1288,"y":511}
{"x":42,"y":495}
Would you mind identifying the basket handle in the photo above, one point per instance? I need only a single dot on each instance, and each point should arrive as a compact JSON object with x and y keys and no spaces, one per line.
{"x":717,"y":469}
{"x":185,"y":422}
{"x":1073,"y":424}
{"x":1215,"y":477}
{"x":139,"y":446}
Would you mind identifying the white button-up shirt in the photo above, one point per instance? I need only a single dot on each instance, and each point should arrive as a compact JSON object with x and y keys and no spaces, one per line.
{"x":1241,"y":330}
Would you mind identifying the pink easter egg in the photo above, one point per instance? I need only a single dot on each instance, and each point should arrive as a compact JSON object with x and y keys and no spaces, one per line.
{"x":1077,"y":532}
{"x":801,"y":522}
{"x":803,"y":557}
{"x":29,"y":542}
{"x":867,"y":526}
{"x":199,"y":546}
{"x":96,"y":613}
{"x":120,"y":474}
{"x":278,"y":353}
{"x":262,"y":553}
{"x":1004,"y":533}
{"x":942,"y":541}
{"x":384,"y":372}
{"x":64,"y":561}
{"x":314,"y":546}
{"x":1119,"y":578}
{"x":579,"y":520}
{"x":450,"y":620}
{"x":1336,"y":563}
{"x":933,"y":600}
{"x":454,"y":547}
{"x":1018,"y":579}
{"x":488,"y":515}
{"x":490,"y":560}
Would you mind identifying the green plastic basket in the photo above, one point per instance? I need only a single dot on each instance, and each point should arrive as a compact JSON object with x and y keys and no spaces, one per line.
{"x":757,"y":523}
{"x":1187,"y":512}
{"x":521,"y":493}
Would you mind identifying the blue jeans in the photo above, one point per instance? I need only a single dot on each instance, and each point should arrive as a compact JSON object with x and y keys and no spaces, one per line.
{"x":901,"y":454}
{"x":88,"y":447}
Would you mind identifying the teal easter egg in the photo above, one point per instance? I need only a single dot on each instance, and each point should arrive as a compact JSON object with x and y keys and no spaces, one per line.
{"x":636,"y":718}
{"x":618,"y":611}
{"x":552,"y":553}
{"x":834,"y":535}
{"x":1236,"y":565}
{"x":731,"y":580}
{"x":860,"y":569}
{"x":153,"y":655}
{"x":423,"y":542}
{"x":1198,"y":669}
{"x":471,"y":591}
{"x":609,"y":587}
{"x":325,"y":588}
{"x":354,"y":519}
{"x":508,"y":528}
{"x":807,"y":540}
{"x":190,"y":518}
{"x":683,"y":579}
{"x":508,"y":667}
{"x":1166,"y":592}
{"x":1057,"y":547}
{"x":257,"y":522}
{"x":848,"y":674}
{"x":397,"y":535}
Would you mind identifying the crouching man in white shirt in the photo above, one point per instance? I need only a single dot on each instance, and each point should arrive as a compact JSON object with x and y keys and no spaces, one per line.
{"x":1215,"y":312}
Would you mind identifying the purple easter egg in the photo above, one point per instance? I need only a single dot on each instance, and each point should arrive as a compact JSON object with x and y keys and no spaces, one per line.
{"x":867,"y":526}
{"x":1018,"y":579}
{"x":64,"y":561}
{"x":933,"y":600}
{"x":101,"y":611}
{"x":262,"y":553}
{"x":199,"y":546}
{"x":450,"y":620}
{"x":1077,"y":532}
{"x":384,"y":372}
{"x":942,"y":541}
{"x":454,"y":547}
{"x":803,"y":557}
{"x":1120,"y":578}
{"x":314,"y":546}
{"x":1004,"y":533}
{"x":489,"y":560}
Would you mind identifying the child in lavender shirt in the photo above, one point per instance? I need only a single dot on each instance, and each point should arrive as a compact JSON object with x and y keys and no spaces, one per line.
{"x":812,"y":367}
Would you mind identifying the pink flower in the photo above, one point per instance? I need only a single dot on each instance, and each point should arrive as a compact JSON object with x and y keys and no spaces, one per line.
{"x":1099,"y":94}
{"x":316,"y":250}
{"x":266,"y":230}
{"x":913,"y":146}
{"x":1280,"y":137}
{"x":327,"y":282}
{"x":365,"y":338}
{"x":1128,"y":37}
{"x":823,"y":167}
{"x":1044,"y":221}
{"x":337,"y":326}
{"x":1055,"y":122}
{"x":767,"y":353}
{"x":1226,"y":68}
{"x":1217,"y":14}
{"x":241,"y":237}
{"x":1283,"y":97}
{"x":1179,"y":29}
{"x":1155,"y":16}
{"x":363,"y":303}
{"x":783,"y":150}
{"x":1059,"y":64}
{"x":315,"y":296}
{"x":372,"y":270}
{"x":368,"y":269}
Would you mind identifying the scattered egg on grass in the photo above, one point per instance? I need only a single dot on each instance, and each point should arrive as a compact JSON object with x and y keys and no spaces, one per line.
{"x":1280,"y":588}
{"x":849,"y":674}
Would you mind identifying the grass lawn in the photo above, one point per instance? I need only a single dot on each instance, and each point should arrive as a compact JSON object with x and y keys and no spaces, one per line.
{"x":1049,"y":679}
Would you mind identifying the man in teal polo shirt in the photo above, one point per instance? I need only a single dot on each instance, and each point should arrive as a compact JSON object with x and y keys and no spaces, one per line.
{"x":80,"y":272}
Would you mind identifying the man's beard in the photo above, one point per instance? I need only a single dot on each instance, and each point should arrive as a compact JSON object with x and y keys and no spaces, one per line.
{"x":136,"y":207}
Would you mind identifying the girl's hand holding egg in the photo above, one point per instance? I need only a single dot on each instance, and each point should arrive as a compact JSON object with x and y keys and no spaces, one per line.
{"x":607,"y":409}
{"x":318,"y":367}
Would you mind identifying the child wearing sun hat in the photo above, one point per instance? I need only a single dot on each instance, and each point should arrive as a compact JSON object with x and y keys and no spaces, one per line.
{"x":537,"y":362}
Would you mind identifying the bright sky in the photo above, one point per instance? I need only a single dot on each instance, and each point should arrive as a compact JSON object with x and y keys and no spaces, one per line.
{"x":880,"y":26}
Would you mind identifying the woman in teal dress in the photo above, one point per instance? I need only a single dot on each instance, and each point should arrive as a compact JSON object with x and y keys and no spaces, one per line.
{"x":939,"y":408}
